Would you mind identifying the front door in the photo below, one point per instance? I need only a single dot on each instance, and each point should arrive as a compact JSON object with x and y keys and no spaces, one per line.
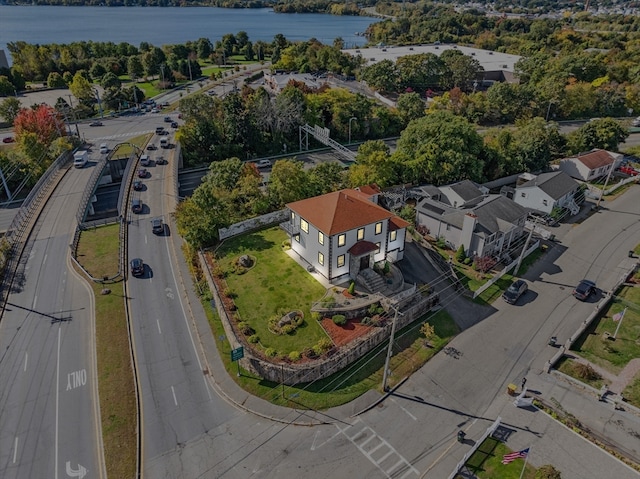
{"x":364,"y":262}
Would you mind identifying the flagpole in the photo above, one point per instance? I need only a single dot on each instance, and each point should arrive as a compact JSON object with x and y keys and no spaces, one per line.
{"x":525,"y":462}
{"x":619,"y":323}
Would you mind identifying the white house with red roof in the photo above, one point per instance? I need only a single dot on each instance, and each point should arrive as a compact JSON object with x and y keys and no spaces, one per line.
{"x":590,"y":165}
{"x":344,"y":232}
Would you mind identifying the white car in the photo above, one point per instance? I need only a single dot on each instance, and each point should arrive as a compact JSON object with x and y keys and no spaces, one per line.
{"x":104,"y":148}
{"x":636,"y":122}
{"x":264,"y":164}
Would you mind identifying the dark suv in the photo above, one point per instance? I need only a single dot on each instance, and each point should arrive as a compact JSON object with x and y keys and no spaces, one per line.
{"x":584,"y":289}
{"x":136,"y":205}
{"x":513,"y":292}
{"x":137,"y":267}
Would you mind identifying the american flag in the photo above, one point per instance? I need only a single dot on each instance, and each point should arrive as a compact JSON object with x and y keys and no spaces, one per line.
{"x":507,"y":458}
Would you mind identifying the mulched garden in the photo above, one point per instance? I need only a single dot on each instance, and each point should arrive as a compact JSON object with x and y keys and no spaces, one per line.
{"x":341,"y":335}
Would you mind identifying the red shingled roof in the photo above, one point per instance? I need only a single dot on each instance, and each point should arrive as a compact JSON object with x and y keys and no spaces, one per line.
{"x":362,"y":247}
{"x":341,"y":211}
{"x":370,"y":190}
{"x":595,"y":159}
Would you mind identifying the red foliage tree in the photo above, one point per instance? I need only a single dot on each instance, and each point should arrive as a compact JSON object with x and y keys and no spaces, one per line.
{"x":44,"y":121}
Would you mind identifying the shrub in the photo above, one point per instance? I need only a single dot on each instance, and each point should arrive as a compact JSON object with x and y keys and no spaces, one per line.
{"x":316,"y":316}
{"x":352,"y":287}
{"x":460,"y":255}
{"x":428,"y":331}
{"x":294,"y":356}
{"x":288,"y":328}
{"x":339,"y":319}
{"x":329,"y":302}
{"x":373,"y":309}
{"x":245,"y":329}
{"x":366,"y":321}
{"x":441,"y":243}
{"x":299,"y":320}
{"x":547,"y":472}
{"x":271,"y":352}
{"x":386,"y":268}
{"x":239,"y":269}
{"x":217,"y":271}
{"x":585,"y":371}
{"x":228,"y":292}
{"x":254,"y":339}
{"x":467,"y":261}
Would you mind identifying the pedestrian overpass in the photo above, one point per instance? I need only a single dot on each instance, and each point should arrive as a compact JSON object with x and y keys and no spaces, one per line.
{"x":322,"y":134}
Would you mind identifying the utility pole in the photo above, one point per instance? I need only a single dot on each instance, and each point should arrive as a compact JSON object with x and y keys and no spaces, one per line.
{"x":613,"y":166}
{"x":390,"y":349}
{"x":524,"y":248}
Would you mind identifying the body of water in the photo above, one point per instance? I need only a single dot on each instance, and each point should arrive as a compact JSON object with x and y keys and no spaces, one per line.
{"x":169,"y":25}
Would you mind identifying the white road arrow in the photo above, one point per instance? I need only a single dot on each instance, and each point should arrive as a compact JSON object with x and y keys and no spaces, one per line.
{"x":80,"y":472}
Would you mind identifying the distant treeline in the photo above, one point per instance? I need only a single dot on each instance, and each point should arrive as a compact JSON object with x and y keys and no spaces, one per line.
{"x":297,"y":6}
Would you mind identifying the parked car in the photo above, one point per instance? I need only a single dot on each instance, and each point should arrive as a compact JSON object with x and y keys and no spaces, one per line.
{"x":154,"y":110}
{"x":264,"y":164}
{"x":636,"y":122}
{"x":167,"y":119}
{"x":104,"y":148}
{"x":95,"y":123}
{"x":8,"y":139}
{"x":584,"y":289}
{"x":136,"y":205}
{"x":161,"y":160}
{"x":137,"y":185}
{"x":159,"y":130}
{"x":174,"y":124}
{"x":513,"y":292}
{"x":151,"y":147}
{"x":628,"y":170}
{"x":142,"y":172}
{"x":137,"y":267}
{"x":157,"y":226}
{"x":144,"y":160}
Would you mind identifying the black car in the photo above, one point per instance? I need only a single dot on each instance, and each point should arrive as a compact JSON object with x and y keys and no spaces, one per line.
{"x":167,"y":119}
{"x":513,"y":292}
{"x":151,"y":147}
{"x":137,"y":185}
{"x":157,"y":226}
{"x":95,"y":123}
{"x":136,"y":205}
{"x":584,"y":289}
{"x":174,"y":124}
{"x":137,"y":267}
{"x":142,"y":172}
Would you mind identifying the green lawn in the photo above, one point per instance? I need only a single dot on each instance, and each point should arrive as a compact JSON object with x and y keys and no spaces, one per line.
{"x":275,"y":286}
{"x":486,"y":463}
{"x":609,"y":354}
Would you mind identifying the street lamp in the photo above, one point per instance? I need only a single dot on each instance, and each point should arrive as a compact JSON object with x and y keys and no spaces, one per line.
{"x":548,"y":110}
{"x":350,"y":120}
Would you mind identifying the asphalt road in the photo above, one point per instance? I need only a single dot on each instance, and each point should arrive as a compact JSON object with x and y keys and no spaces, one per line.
{"x":49,"y":423}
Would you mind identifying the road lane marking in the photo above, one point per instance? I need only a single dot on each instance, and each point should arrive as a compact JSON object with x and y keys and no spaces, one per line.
{"x":26,"y":360}
{"x":175,"y":399}
{"x":57,"y":404}
{"x":45,"y":259}
{"x":33,"y":304}
{"x":159,"y":330}
{"x":15,"y":450}
{"x":76,"y":379}
{"x":407,"y":412}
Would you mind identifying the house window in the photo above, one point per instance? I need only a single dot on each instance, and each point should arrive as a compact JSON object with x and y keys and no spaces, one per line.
{"x":321,"y":259}
{"x":340,"y":261}
{"x":393,"y":235}
{"x":378,"y":248}
{"x":297,"y":237}
{"x":293,"y":217}
{"x":304,"y":226}
{"x":523,"y":195}
{"x":320,"y":237}
{"x":379,"y":228}
{"x":448,"y":227}
{"x":360,"y":234}
{"x":544,"y":202}
{"x":342,"y":239}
